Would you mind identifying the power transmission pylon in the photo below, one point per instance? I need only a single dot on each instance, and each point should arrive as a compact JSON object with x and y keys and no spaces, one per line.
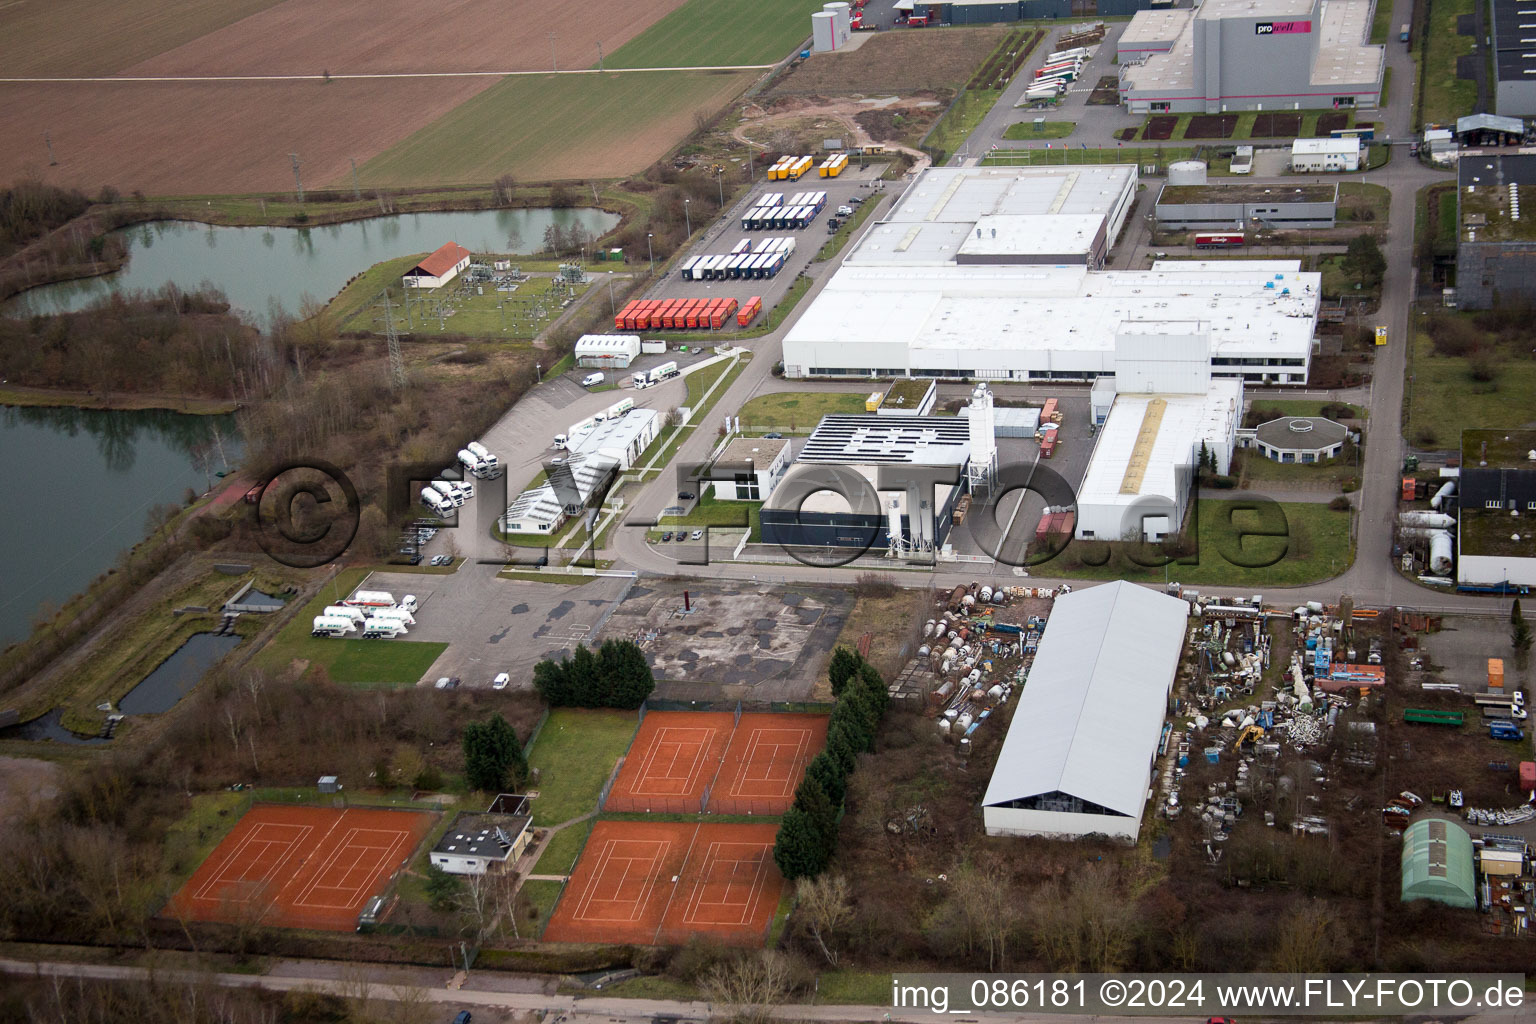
{"x":298,"y":186}
{"x":396,"y":360}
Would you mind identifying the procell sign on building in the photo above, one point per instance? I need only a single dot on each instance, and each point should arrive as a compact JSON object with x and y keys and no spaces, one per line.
{"x":1282,"y":28}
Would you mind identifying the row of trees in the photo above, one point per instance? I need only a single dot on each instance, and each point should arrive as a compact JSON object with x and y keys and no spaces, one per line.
{"x":616,"y":676}
{"x":807,"y":835}
{"x":493,"y":757}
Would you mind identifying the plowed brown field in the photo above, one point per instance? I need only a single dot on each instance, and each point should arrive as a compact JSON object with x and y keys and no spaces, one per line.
{"x":214,"y":137}
{"x":306,"y":37}
{"x":59,"y":38}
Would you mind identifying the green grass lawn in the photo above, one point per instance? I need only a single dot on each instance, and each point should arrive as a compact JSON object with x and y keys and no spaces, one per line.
{"x":1382,"y":27}
{"x":515,"y":316}
{"x":1363,"y":202}
{"x":1258,"y":471}
{"x":1025,"y":130}
{"x":669,"y":444}
{"x":860,"y":988}
{"x":542,"y":896}
{"x":710,"y":511}
{"x":1443,"y":399}
{"x":1309,"y":542}
{"x":1446,"y":97}
{"x":1336,"y":283}
{"x":718,"y":33}
{"x":575,"y":753}
{"x":402,"y":662}
{"x":948,"y":137}
{"x":361,"y":296}
{"x":1303,"y":406}
{"x":797,"y":410}
{"x":699,"y":382}
{"x":559,"y":857}
{"x":1092,"y":155}
{"x":558,"y":126}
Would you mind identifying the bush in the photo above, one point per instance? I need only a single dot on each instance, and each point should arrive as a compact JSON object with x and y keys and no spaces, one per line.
{"x":1350,"y":485}
{"x":617,"y":676}
{"x":1339,"y":504}
{"x":1223,"y":483}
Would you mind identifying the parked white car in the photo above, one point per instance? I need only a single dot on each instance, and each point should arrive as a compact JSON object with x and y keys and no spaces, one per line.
{"x":501,"y":681}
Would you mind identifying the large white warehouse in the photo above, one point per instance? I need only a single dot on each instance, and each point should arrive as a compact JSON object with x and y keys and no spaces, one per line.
{"x":992,"y":274}
{"x":1078,"y":757}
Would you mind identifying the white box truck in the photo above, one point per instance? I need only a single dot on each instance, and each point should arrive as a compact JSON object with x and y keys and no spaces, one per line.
{"x":371,"y":599}
{"x":666,"y":371}
{"x":376,"y":630}
{"x":331,"y":625}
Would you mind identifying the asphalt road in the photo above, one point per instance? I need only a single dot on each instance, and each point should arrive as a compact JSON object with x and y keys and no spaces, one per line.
{"x":390,"y":984}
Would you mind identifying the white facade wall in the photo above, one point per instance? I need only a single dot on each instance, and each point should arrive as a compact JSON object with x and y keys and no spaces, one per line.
{"x":1009,"y":821}
{"x":1491,"y":570}
{"x":1311,"y":156}
{"x":768,"y":478}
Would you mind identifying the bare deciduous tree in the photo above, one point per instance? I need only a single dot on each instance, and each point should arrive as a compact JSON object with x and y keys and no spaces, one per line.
{"x":827,"y":908}
{"x":750,"y":987}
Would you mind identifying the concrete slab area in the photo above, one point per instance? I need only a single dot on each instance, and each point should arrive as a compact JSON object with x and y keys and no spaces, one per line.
{"x":740,"y":640}
{"x":495,"y":625}
{"x":1460,"y":652}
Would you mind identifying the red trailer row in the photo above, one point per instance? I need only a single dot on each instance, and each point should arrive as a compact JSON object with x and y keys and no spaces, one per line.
{"x":748,"y":313}
{"x":675,"y":314}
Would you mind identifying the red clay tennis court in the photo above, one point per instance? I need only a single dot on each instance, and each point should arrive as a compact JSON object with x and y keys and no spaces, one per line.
{"x":660,"y":882}
{"x":302,"y":867}
{"x":765,"y":762}
{"x":672,"y":761}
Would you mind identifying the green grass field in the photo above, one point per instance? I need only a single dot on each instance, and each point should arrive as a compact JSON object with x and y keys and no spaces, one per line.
{"x":719,"y":33}
{"x":797,"y":410}
{"x":541,"y":896}
{"x":376,"y":662}
{"x":1025,"y":130}
{"x":559,"y":857}
{"x":514,"y":316}
{"x":555,"y":127}
{"x":1305,"y":543}
{"x":948,"y":136}
{"x":1446,"y":97}
{"x":1443,"y":399}
{"x":575,"y":753}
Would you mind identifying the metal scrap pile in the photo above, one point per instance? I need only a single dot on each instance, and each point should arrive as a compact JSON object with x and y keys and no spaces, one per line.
{"x":974,"y":660}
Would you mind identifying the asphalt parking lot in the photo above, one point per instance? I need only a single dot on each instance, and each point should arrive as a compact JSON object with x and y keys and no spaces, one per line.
{"x":727,"y":232}
{"x":496,"y":625}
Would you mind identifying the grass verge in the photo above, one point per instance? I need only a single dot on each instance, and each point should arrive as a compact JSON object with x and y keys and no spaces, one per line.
{"x":1024,"y":131}
{"x":574,"y":754}
{"x":559,"y":857}
{"x":1295,"y":544}
{"x":949,"y":134}
{"x":541,"y":898}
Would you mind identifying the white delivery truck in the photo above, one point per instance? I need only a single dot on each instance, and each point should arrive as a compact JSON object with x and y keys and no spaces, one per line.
{"x":470,"y":461}
{"x":449,"y":495}
{"x":371,"y":599}
{"x":376,"y":630}
{"x":483,"y":453}
{"x":666,"y":371}
{"x":641,"y":381}
{"x":436,"y":503}
{"x":399,"y":615}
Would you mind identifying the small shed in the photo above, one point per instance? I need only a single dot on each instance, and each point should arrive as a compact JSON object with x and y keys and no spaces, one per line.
{"x":329,"y":784}
{"x":607,"y":351}
{"x":1309,"y":156}
{"x":1438,"y":864}
{"x":439,"y":268}
{"x":1489,"y":130}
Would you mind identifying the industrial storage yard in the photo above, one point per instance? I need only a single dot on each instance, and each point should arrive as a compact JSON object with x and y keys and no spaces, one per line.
{"x":979,"y":501}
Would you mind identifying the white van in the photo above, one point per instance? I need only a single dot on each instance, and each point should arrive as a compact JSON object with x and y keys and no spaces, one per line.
{"x":591,"y":380}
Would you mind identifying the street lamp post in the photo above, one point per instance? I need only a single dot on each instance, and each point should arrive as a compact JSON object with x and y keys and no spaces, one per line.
{"x":687,"y":220}
{"x":649,"y":253}
{"x":720,"y":181}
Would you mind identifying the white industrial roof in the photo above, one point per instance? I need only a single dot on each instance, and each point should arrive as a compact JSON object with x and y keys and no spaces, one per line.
{"x":1149,"y":29}
{"x":1038,"y":234}
{"x":1344,"y":56}
{"x":598,"y":344}
{"x":1024,"y":418}
{"x":939,"y":211}
{"x":1089,"y":719}
{"x":1186,"y":420}
{"x":617,"y":433}
{"x":1249,"y":309}
{"x":1318,"y":147}
{"x":1216,"y":10}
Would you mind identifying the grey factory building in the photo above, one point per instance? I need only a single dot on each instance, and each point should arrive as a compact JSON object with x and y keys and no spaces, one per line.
{"x":1231,"y":55}
{"x":1240,"y":206}
{"x":1514,"y":57}
{"x":1495,"y":231}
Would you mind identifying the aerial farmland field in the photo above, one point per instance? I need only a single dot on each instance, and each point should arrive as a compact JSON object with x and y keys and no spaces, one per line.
{"x":60,"y":38}
{"x":308,"y":37}
{"x":719,"y":32}
{"x":558,"y":126}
